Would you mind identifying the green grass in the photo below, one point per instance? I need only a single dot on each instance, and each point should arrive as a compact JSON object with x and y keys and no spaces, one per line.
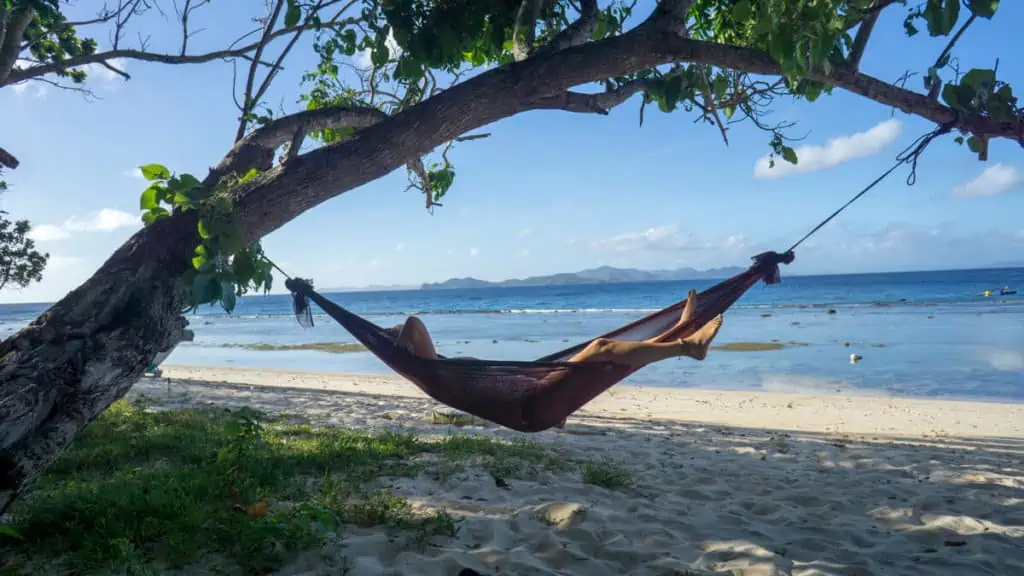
{"x":605,"y":474}
{"x":329,"y":347}
{"x":143,"y":491}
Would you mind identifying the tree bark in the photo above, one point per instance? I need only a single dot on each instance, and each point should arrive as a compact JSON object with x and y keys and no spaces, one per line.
{"x":85,"y":352}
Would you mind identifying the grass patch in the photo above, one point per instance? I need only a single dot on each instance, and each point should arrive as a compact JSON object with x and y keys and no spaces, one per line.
{"x":606,"y":474}
{"x":756,"y":346}
{"x":329,"y":347}
{"x":141,"y":492}
{"x":515,"y":459}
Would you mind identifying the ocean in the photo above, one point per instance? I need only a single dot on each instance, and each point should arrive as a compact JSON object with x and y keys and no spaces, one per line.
{"x":924,"y":334}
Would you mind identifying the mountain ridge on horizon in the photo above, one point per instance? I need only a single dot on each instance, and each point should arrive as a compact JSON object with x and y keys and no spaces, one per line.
{"x":630,"y":275}
{"x":598,"y":275}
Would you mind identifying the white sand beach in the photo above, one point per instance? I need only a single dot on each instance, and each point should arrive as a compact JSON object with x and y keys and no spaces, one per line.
{"x":742,"y":483}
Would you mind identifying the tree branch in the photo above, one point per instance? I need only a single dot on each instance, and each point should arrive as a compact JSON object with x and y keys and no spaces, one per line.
{"x":931,"y":83}
{"x":7,"y":160}
{"x":281,"y":194}
{"x":874,"y":10}
{"x":247,"y":100}
{"x":600,"y":103}
{"x":860,"y":41}
{"x":18,"y":20}
{"x":576,"y":33}
{"x":525,"y":30}
{"x":19,"y":75}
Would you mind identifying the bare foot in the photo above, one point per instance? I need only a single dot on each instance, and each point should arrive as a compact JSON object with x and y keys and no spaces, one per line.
{"x":701,"y":340}
{"x":690,"y":309}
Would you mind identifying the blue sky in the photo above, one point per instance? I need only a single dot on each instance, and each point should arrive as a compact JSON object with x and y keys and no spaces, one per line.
{"x":548,"y":191}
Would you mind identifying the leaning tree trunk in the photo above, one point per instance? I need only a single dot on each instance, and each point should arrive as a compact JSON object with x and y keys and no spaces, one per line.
{"x":86,"y":351}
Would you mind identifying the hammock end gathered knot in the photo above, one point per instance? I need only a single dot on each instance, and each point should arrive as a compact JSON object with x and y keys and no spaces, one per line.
{"x":298,"y":285}
{"x":768,"y":264}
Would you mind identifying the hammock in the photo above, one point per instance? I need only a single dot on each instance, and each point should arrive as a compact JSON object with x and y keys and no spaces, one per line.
{"x":532,"y":396}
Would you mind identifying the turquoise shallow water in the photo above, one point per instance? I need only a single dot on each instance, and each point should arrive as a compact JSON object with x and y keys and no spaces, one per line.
{"x":928,"y":334}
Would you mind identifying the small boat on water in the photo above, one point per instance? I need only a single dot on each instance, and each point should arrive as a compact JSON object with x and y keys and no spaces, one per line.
{"x":1005,"y":291}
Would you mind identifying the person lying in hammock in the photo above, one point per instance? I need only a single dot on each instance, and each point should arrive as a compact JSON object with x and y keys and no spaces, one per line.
{"x":413,"y":335}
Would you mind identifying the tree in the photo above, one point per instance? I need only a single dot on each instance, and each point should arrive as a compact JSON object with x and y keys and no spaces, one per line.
{"x":20,"y":263}
{"x":438,"y":70}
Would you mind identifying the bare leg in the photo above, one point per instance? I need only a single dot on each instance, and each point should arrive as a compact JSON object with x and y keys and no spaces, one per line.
{"x":414,"y":336}
{"x":639,"y":354}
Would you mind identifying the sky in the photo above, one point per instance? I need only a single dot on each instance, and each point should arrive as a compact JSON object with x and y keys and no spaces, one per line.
{"x":548,"y":191}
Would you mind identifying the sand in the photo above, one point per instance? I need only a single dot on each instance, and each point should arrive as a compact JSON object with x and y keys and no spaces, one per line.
{"x":743,"y":483}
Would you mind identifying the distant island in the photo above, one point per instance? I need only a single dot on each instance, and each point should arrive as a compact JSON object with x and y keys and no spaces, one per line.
{"x":601,"y":275}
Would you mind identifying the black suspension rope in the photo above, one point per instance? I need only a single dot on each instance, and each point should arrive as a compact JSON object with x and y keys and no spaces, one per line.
{"x":909,"y":155}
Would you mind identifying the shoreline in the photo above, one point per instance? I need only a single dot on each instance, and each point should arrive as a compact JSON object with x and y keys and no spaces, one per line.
{"x":860,"y":413}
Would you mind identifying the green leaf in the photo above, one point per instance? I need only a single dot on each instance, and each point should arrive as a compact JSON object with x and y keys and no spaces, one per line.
{"x":155,"y":172}
{"x":941,"y":16}
{"x":949,"y":96}
{"x":188,"y":182}
{"x":292,"y":15}
{"x":148,"y":200}
{"x":789,"y":154}
{"x":154,"y":214}
{"x":252,"y":173}
{"x":742,"y":11}
{"x":979,"y":79}
{"x":201,"y":257}
{"x":974,"y":144}
{"x":10,"y":532}
{"x":729,"y":111}
{"x":204,"y":231}
{"x":230,"y":241}
{"x":203,"y":287}
{"x":983,"y":8}
{"x":242,"y":266}
{"x":227,"y":296}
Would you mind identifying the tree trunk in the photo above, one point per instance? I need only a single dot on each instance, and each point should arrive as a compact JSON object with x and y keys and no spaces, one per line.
{"x":85,"y":352}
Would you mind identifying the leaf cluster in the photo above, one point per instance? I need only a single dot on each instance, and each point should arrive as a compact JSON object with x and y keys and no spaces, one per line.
{"x":223,"y":267}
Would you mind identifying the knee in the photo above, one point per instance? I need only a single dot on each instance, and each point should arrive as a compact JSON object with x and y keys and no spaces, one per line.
{"x":415,"y":323}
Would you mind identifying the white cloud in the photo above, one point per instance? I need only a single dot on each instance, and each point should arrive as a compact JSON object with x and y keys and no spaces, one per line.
{"x":48,"y":233}
{"x":474,"y":251}
{"x":992,"y":181}
{"x":525,"y":232}
{"x":58,"y":263}
{"x":661,"y":238}
{"x":522,"y":253}
{"x":135,"y":173}
{"x":105,"y":220}
{"x":572,"y":241}
{"x":400,"y":247}
{"x":361,"y":59}
{"x":837,"y":151}
{"x":735,"y":242}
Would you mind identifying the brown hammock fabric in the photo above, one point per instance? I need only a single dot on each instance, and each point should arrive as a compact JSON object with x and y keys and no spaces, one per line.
{"x":532,"y":396}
